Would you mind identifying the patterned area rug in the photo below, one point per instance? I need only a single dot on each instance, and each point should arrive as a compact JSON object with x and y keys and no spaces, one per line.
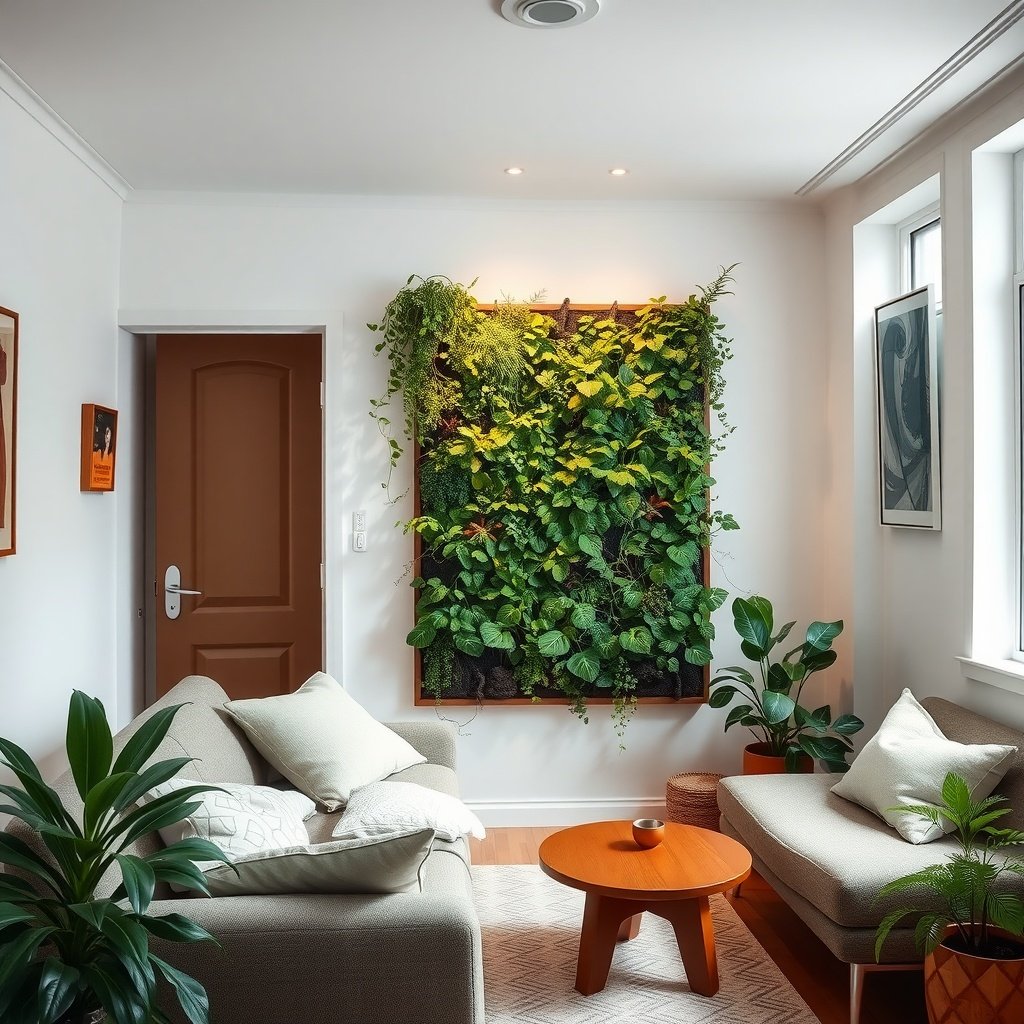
{"x":531,"y":930}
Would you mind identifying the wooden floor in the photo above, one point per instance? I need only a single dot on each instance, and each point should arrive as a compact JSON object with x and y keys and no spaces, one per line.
{"x":812,"y":970}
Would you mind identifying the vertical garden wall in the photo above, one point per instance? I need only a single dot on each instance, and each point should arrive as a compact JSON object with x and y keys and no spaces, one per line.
{"x":562,"y":482}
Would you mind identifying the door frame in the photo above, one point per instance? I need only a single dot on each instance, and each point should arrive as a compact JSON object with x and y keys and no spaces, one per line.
{"x":137,"y":497}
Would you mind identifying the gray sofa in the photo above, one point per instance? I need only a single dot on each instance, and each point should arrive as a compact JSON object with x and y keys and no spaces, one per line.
{"x":394,"y":959}
{"x":827,"y":858}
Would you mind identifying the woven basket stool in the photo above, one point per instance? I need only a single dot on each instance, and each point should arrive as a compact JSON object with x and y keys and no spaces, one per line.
{"x":692,"y":799}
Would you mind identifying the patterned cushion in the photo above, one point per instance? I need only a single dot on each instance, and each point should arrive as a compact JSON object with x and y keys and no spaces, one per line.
{"x":242,"y":819}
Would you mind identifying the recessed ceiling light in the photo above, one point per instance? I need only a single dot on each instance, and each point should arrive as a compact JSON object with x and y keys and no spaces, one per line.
{"x":513,"y":170}
{"x":619,"y":172}
{"x":549,"y":13}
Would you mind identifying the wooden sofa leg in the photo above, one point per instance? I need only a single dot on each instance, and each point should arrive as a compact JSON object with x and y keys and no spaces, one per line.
{"x":856,"y":991}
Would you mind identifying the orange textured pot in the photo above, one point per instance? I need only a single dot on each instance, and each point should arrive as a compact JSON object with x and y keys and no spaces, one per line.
{"x":964,"y":989}
{"x":757,"y":761}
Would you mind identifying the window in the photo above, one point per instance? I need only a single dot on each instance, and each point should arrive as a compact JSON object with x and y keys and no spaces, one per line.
{"x":926,"y":257}
{"x":921,"y":252}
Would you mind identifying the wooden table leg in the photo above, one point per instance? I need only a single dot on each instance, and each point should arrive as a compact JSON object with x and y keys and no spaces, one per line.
{"x":603,"y":917}
{"x":695,"y":933}
{"x":630,"y":928}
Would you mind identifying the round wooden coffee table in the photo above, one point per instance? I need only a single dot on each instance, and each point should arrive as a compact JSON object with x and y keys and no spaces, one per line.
{"x":622,"y":881}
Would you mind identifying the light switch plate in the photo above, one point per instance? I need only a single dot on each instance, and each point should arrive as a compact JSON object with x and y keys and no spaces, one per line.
{"x":359,"y":540}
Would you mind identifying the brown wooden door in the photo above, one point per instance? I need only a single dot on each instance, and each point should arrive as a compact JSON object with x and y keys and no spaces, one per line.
{"x":238,"y":510}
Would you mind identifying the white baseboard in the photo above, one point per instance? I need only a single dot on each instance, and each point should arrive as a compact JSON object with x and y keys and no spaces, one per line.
{"x":504,"y":813}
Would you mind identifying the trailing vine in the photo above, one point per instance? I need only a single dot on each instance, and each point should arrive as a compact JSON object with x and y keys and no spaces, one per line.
{"x":563,"y":481}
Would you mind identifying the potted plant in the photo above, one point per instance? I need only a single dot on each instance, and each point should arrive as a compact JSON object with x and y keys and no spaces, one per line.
{"x":789,"y":736}
{"x":67,"y":955}
{"x":979,"y":926}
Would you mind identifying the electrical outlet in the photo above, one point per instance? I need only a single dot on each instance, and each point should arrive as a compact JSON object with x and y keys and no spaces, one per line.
{"x":359,"y":522}
{"x":359,"y":540}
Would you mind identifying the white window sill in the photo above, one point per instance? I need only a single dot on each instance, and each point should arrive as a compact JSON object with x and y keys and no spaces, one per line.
{"x":1001,"y":672}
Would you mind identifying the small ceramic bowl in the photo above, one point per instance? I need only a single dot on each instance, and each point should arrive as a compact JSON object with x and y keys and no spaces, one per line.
{"x":648,"y":832}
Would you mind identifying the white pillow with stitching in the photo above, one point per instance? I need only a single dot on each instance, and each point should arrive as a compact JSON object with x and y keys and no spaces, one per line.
{"x":388,"y":807}
{"x":906,"y":762}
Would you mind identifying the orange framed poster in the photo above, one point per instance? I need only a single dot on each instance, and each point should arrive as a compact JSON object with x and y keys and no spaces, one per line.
{"x":8,"y":425}
{"x":99,"y":447}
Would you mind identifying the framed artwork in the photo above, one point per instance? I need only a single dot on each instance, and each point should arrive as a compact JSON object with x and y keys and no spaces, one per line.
{"x":906,"y":361}
{"x":99,"y":447}
{"x":8,"y":426}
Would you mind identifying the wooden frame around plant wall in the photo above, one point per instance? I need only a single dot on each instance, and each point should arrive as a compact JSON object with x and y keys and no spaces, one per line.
{"x":8,"y":428}
{"x":419,"y":699}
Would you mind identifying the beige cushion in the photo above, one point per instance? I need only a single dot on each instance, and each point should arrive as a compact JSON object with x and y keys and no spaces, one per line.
{"x":906,"y":762}
{"x":381,"y":864}
{"x":383,"y":808}
{"x":322,"y":741}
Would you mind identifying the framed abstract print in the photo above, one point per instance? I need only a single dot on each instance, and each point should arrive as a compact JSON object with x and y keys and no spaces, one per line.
{"x":906,"y":362}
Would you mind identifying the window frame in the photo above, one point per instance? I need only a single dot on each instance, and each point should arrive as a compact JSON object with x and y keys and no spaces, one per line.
{"x":1017,"y":651}
{"x":1017,"y":648}
{"x":1018,"y":213}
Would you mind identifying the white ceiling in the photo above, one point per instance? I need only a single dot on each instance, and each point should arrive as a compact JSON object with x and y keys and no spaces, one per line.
{"x":698,"y":98}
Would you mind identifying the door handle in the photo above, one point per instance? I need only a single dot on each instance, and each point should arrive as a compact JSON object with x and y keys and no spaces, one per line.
{"x":173,"y":591}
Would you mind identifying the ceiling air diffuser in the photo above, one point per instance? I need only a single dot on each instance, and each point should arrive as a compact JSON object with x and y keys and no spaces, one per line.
{"x":549,"y":13}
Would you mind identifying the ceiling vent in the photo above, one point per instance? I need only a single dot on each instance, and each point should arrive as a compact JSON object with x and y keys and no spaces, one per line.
{"x":549,"y":13}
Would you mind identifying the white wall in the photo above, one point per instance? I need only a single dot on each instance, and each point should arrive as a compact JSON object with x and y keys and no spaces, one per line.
{"x":911,"y":592}
{"x":59,"y":270}
{"x":184,"y":257}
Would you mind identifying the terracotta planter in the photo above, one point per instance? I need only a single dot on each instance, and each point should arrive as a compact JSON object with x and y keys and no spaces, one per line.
{"x":757,"y":761}
{"x":964,"y":989}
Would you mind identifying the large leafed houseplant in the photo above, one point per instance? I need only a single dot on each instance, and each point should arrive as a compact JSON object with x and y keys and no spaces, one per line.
{"x":768,"y":702}
{"x":68,"y":955}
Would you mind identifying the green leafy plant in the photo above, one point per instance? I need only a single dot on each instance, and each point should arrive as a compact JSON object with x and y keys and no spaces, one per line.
{"x":967,"y":884}
{"x":64,"y":952}
{"x":769,"y":705}
{"x":564,"y":480}
{"x":420,"y":323}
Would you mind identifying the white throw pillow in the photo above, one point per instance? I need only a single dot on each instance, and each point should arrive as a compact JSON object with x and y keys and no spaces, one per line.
{"x":906,"y":762}
{"x":241,"y":820}
{"x":322,"y":741}
{"x":382,"y":864}
{"x":383,"y":808}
